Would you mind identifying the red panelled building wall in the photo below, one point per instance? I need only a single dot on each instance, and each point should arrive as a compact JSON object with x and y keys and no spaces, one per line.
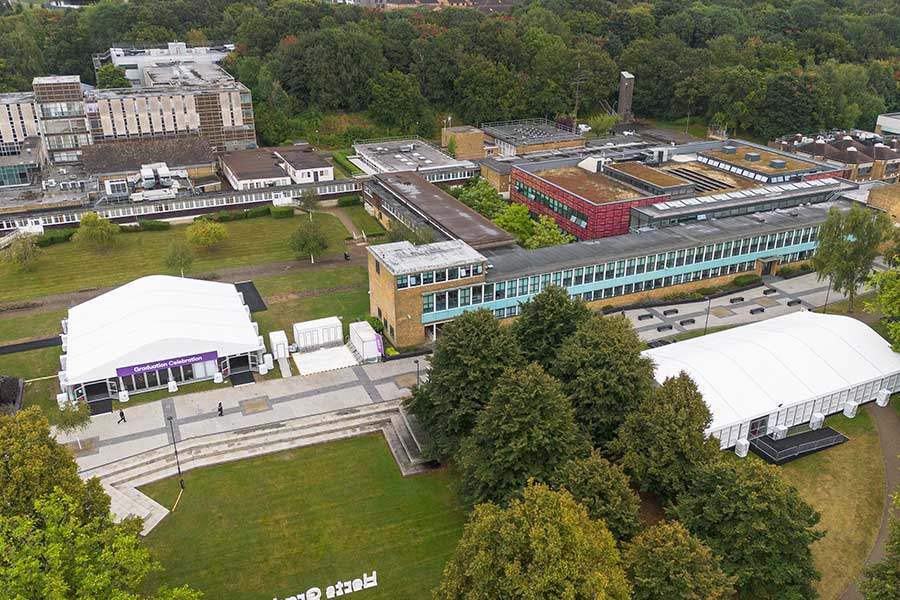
{"x":603,"y":220}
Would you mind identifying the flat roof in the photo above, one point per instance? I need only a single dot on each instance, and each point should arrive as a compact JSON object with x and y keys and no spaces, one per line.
{"x":161,"y":90}
{"x":30,"y":153}
{"x":443,"y":211}
{"x":594,"y":187}
{"x":403,"y":258}
{"x":517,"y":262}
{"x":301,"y":156}
{"x":648,"y":174}
{"x":258,"y":163}
{"x":529,"y":131}
{"x":759,"y":369}
{"x":723,"y":201}
{"x":127,"y":156}
{"x":708,"y":180}
{"x":410,"y":154}
{"x":185,"y":72}
{"x":153,"y":319}
{"x":48,"y":79}
{"x":761,"y":165}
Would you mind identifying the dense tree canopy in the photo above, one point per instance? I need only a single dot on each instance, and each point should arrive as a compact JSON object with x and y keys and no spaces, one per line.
{"x":767,"y":67}
{"x":603,"y":373}
{"x":546,"y":322}
{"x":473,"y":352}
{"x":526,"y":431}
{"x":882,"y":580}
{"x":543,"y":545}
{"x":757,"y":524}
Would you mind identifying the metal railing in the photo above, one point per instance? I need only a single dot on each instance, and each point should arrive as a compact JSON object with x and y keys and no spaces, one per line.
{"x":778,"y":455}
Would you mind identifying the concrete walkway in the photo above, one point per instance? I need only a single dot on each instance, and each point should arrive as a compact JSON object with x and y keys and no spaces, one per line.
{"x":888,"y":425}
{"x":272,"y":401}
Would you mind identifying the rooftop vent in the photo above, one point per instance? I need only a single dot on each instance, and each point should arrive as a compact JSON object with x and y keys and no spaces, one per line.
{"x":729,"y":150}
{"x":752,"y":157}
{"x":777,"y":163}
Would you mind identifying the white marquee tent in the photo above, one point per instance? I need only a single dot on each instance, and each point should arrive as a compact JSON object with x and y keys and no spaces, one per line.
{"x":155,"y":318}
{"x":781,"y":371}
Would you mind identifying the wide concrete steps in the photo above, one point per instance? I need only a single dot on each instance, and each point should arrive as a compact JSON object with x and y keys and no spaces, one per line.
{"x":121,"y":478}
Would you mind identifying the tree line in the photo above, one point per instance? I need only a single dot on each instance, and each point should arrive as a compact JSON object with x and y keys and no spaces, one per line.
{"x":555,"y":424}
{"x":762,"y":67}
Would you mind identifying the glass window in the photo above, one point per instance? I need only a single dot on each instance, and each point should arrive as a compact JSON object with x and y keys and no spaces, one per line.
{"x":610,"y":270}
{"x":428,"y":303}
{"x":489,"y":292}
{"x":453,"y":299}
{"x":579,"y":276}
{"x":556,"y":278}
{"x":465,"y":271}
{"x":440,"y":301}
{"x":545,"y":281}
{"x":535,"y":284}
{"x":476,"y":294}
{"x":427,"y":277}
{"x":452,"y":273}
{"x":589,"y":274}
{"x":414,"y":280}
{"x":620,"y":268}
{"x":567,"y":278}
{"x":478,"y":269}
{"x":465,"y":296}
{"x":523,"y":286}
{"x":440,"y":276}
{"x":152,"y":379}
{"x":500,"y":290}
{"x":402,"y":282}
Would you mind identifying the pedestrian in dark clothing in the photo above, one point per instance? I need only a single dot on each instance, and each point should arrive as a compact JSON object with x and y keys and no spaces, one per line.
{"x":121,"y":417}
{"x":221,"y":412}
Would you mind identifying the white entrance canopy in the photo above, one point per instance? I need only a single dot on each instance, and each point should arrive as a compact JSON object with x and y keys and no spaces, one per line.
{"x":152,"y":319}
{"x":785,"y":368}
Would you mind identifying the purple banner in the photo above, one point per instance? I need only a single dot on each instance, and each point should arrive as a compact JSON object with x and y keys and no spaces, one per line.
{"x":379,"y":344}
{"x":166,"y":363}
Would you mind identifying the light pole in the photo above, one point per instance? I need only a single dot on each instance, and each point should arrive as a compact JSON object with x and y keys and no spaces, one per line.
{"x":708,"y":307}
{"x":417,"y":371}
{"x":175,"y":444}
{"x":827,"y":294}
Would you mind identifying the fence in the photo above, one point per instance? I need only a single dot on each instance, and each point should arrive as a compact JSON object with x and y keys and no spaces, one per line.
{"x":779,"y":455}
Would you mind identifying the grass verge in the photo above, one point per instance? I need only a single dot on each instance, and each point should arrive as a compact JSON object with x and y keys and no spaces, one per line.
{"x":363,"y":220}
{"x":15,"y":329}
{"x":280,"y":524}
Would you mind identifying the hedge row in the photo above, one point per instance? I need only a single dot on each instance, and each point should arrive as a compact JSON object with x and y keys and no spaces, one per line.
{"x":224,"y":216}
{"x":282,"y":212}
{"x":54,"y":236}
{"x":341,"y":159}
{"x":147,"y":225}
{"x":348,"y":201}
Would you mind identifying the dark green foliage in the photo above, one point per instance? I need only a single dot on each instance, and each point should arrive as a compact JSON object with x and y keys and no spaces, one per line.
{"x":882,"y":580}
{"x":604,"y":489}
{"x":349,"y":201}
{"x":663,"y":439}
{"x":54,"y":236}
{"x":376,"y":324}
{"x":527,"y":430}
{"x":396,"y":101}
{"x":259,"y":211}
{"x":282,"y":212}
{"x":546,"y":322}
{"x":667,"y":562}
{"x":757,"y":524}
{"x":152,"y":225}
{"x":473,"y":352}
{"x":341,"y":159}
{"x":604,"y":375}
{"x":749,"y":278}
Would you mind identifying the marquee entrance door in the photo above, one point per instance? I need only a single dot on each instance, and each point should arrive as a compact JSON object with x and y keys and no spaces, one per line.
{"x":758,"y":427}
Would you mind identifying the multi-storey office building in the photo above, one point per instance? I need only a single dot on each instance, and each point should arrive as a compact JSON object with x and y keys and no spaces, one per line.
{"x":415,"y":289}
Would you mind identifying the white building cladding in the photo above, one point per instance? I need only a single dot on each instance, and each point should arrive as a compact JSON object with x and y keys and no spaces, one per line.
{"x":781,"y":371}
{"x":154,"y":330}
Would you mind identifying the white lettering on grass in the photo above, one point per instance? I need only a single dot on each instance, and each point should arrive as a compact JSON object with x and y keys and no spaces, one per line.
{"x":341,"y":588}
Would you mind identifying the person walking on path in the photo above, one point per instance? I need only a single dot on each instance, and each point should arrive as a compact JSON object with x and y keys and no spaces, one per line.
{"x":220,"y":411}
{"x":122,"y":417}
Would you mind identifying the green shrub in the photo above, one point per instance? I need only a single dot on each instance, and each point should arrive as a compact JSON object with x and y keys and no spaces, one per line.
{"x":747,"y":279}
{"x":787,"y":271}
{"x":391,"y":351}
{"x":282,"y":212}
{"x":376,"y":324}
{"x":708,"y":291}
{"x":259,"y":211}
{"x":151,"y":225}
{"x":54,"y":236}
{"x":341,"y":159}
{"x":348,"y":201}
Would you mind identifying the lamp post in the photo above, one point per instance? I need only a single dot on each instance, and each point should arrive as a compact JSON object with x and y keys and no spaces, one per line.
{"x":827,"y":294}
{"x":417,"y":371}
{"x":175,"y":445}
{"x":708,"y":307}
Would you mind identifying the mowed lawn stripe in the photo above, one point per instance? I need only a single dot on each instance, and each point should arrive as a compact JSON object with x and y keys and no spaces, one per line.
{"x":277,"y":525}
{"x":69,"y":267}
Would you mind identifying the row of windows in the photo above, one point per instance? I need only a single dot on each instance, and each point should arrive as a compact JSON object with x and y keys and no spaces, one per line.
{"x":560,"y":208}
{"x":482,"y":294}
{"x":180,"y":205}
{"x":430,"y":277}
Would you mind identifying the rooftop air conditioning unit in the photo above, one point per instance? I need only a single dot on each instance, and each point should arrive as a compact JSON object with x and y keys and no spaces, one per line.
{"x":742,"y":447}
{"x":752,"y":157}
{"x":777,"y":163}
{"x":729,"y":150}
{"x":817,"y":420}
{"x":780,"y":432}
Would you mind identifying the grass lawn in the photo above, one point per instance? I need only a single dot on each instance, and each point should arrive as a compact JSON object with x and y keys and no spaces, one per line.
{"x":32,"y":365}
{"x":15,"y":329}
{"x":363,"y":220}
{"x":304,"y":281}
{"x":282,"y":315}
{"x":68,"y":267}
{"x":845,"y":484}
{"x":280,"y":524}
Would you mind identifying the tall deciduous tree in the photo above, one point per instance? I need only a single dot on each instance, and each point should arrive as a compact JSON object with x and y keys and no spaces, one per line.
{"x":667,"y":562}
{"x":757,"y":524}
{"x":179,"y":256}
{"x":472,"y":353}
{"x":309,"y":201}
{"x":847,"y":246}
{"x":663,"y":440}
{"x":481,"y":195}
{"x":526,"y":431}
{"x":23,"y":251}
{"x":546,"y":322}
{"x":887,"y":301}
{"x":603,"y":488}
{"x":112,"y":76}
{"x":881,"y":581}
{"x":96,"y":232}
{"x":309,"y":240}
{"x":515,"y":219}
{"x":604,"y":375}
{"x":543,"y":545}
{"x":396,"y":101}
{"x":74,"y":418}
{"x":547,"y":233}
